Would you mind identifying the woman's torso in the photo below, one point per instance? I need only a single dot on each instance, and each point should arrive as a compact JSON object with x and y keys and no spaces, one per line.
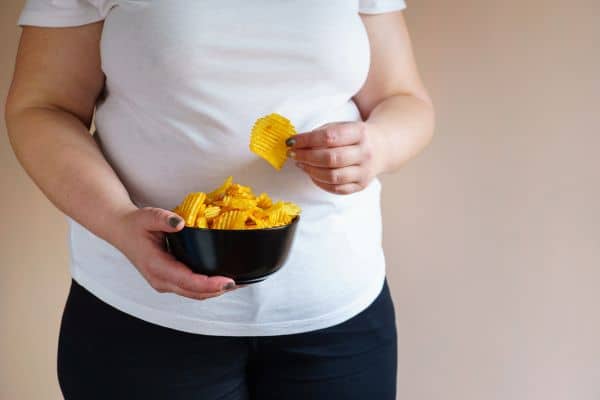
{"x":185,"y":80}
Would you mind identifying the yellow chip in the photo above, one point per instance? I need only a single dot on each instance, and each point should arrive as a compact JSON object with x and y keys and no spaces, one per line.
{"x":212,"y":212}
{"x":230,"y":220}
{"x":237,"y":190}
{"x":234,"y":206}
{"x":259,"y":213}
{"x":220,"y":192}
{"x":253,"y":222}
{"x":233,"y":203}
{"x":268,"y":137}
{"x":242,"y":204}
{"x":223,"y":203}
{"x":264,"y":201}
{"x":181,"y":208}
{"x":201,"y":222}
{"x":194,"y":206}
{"x":279,"y":217}
{"x":186,"y":203}
{"x":291,"y":208}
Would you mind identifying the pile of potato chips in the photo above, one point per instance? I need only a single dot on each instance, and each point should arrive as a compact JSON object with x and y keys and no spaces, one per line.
{"x":268,"y":137}
{"x":234,"y":206}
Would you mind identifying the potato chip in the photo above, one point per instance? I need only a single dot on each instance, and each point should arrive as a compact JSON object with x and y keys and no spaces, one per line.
{"x":212,"y":212}
{"x":264,"y":201}
{"x":253,"y":222}
{"x":259,"y":213}
{"x":236,"y":190}
{"x":220,"y":192}
{"x":234,"y":206}
{"x":230,"y":220}
{"x":242,"y":204}
{"x":291,"y":208}
{"x":186,"y":202}
{"x":201,"y":222}
{"x":268,"y":137}
{"x":223,"y":202}
{"x":279,"y":217}
{"x":194,"y":206}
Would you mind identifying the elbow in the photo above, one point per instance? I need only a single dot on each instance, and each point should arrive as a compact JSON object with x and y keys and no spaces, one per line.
{"x":428,"y":118}
{"x":425,"y":109}
{"x":11,"y":110}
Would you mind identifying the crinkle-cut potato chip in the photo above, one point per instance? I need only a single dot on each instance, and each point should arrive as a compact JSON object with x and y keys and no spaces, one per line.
{"x":235,"y":219}
{"x":277,"y":214}
{"x":236,"y":203}
{"x":259,"y":213}
{"x":220,"y":192}
{"x":264,"y":201}
{"x":268,"y":136}
{"x":236,"y":190}
{"x":254,"y":222}
{"x":234,"y":206}
{"x":194,"y":205}
{"x":184,"y":206}
{"x":201,"y":222}
{"x":279,"y":217}
{"x":291,"y":208}
{"x":212,"y":212}
{"x":223,"y":202}
{"x":242,"y":204}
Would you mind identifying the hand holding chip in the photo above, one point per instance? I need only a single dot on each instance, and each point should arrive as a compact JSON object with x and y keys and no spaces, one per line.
{"x":340,"y":158}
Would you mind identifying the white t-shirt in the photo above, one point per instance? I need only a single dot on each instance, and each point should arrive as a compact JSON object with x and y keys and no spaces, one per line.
{"x":185,"y":81}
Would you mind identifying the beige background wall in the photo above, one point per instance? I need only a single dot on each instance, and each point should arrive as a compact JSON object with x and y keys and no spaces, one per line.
{"x":492,"y":234}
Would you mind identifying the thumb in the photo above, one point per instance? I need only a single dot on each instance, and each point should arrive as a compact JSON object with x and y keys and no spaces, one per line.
{"x":158,"y":219}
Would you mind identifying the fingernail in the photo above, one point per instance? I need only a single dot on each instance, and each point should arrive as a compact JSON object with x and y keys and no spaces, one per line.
{"x":300,"y":165}
{"x":291,"y":153}
{"x":228,"y":286}
{"x":174,"y":221}
{"x":290,"y":142}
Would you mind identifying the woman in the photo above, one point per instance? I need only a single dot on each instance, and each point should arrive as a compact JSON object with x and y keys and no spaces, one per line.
{"x":176,"y":86}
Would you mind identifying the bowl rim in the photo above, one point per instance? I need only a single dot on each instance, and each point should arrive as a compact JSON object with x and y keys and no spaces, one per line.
{"x":274,"y":228}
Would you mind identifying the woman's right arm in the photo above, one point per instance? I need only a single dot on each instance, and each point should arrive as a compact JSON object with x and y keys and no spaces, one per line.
{"x":49,"y":109}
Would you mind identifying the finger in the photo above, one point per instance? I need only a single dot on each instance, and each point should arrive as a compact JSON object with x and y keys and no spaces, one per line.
{"x":346,"y":188}
{"x":158,"y":219}
{"x":333,"y":135}
{"x":333,"y":176}
{"x":336,"y":157}
{"x":167,"y":268}
{"x":200,"y":296}
{"x":192,"y":295}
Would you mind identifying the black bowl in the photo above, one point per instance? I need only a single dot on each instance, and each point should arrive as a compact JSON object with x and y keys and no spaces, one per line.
{"x":246,"y":256}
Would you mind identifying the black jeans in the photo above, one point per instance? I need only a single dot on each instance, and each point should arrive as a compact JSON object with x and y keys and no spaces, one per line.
{"x":106,"y":354}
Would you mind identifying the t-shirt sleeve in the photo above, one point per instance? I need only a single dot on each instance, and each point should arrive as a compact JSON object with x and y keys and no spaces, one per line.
{"x":57,"y":13}
{"x":380,"y":6}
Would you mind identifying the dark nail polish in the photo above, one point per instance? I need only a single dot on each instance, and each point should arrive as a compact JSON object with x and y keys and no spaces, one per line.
{"x":290,"y":142}
{"x":174,"y":221}
{"x":228,"y":286}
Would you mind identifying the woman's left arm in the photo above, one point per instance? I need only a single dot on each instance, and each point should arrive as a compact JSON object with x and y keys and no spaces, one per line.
{"x":396,"y":108}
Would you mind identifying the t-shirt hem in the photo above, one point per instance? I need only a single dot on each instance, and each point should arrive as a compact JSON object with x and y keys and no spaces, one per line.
{"x":58,"y":20}
{"x":383,"y":7}
{"x":222,"y":328}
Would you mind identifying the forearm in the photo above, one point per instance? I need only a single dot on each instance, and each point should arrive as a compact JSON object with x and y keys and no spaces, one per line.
{"x":400,"y":126}
{"x":61,"y":157}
